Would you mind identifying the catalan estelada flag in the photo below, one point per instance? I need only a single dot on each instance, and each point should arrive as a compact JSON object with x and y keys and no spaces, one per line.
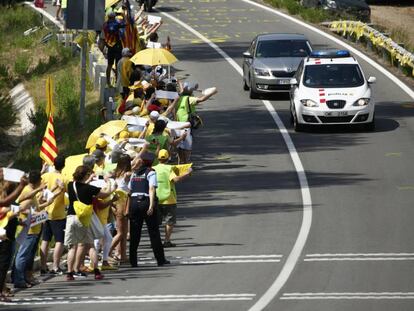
{"x":49,"y":150}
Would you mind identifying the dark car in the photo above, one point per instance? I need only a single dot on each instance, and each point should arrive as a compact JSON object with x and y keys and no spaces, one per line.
{"x":349,"y":9}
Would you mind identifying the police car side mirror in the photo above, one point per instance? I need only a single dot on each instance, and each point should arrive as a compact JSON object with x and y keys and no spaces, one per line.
{"x":247,"y":55}
{"x":293,"y":81}
{"x":372,"y":80}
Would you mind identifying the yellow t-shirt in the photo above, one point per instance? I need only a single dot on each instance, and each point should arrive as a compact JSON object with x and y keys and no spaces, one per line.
{"x":103,"y":214}
{"x":172,"y":199}
{"x":35,"y":205}
{"x":56,"y":210}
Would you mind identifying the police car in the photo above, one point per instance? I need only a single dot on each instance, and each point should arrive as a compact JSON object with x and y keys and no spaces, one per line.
{"x":330,"y":88}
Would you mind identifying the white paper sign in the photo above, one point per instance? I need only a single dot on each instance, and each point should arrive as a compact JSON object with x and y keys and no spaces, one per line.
{"x":166,"y":94}
{"x":111,"y":141}
{"x":139,"y":142}
{"x":154,"y":45}
{"x":152,"y":19}
{"x":100,"y":183}
{"x":209,"y":91}
{"x":47,"y":194}
{"x":134,"y":120}
{"x":12,"y":174}
{"x":15,"y":208}
{"x":38,"y":219}
{"x":175,"y":125}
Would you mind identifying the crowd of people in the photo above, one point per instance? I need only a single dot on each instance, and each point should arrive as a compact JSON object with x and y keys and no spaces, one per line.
{"x":126,"y":178}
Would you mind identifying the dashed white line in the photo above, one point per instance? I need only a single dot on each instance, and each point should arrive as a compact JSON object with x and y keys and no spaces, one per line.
{"x":348,"y":296}
{"x":132,"y":299}
{"x":360,"y":257}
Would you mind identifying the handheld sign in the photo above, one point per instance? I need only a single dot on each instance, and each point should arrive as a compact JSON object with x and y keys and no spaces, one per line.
{"x":12,"y":174}
{"x":38,"y":219}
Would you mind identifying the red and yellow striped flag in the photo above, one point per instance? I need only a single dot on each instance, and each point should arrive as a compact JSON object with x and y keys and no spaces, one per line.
{"x":49,"y":150}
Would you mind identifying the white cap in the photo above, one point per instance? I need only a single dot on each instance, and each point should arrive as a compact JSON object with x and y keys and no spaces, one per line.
{"x":154,"y":115}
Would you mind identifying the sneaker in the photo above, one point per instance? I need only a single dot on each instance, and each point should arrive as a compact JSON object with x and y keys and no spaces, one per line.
{"x":99,"y":276}
{"x":69,"y":277}
{"x":108,"y":268}
{"x":165,"y":262}
{"x":44,"y":271}
{"x":80,"y":275}
{"x":169,"y":244}
{"x":56,"y":272}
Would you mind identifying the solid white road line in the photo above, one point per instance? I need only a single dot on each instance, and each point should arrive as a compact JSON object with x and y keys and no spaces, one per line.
{"x":47,"y":14}
{"x":294,"y":255}
{"x":366,"y":58}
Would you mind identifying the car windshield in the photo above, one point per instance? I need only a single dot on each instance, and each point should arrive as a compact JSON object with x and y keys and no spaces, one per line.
{"x":333,"y":75}
{"x":282,"y":48}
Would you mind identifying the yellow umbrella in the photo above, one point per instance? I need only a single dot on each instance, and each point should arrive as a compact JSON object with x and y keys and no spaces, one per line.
{"x":153,"y":57}
{"x":71,"y":163}
{"x":110,"y":128}
{"x":109,"y":3}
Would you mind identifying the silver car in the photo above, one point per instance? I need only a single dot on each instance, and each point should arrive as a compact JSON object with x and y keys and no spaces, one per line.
{"x":272,"y":60}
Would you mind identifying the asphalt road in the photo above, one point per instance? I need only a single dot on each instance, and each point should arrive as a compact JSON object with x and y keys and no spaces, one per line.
{"x":243,"y":205}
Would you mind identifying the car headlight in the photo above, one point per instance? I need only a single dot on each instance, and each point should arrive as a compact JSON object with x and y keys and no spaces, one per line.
{"x":309,"y":103}
{"x":362,"y":102}
{"x":262,"y":72}
{"x":331,"y":4}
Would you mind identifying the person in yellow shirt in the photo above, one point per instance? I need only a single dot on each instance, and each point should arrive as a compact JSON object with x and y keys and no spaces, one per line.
{"x":55,"y":225}
{"x":167,"y":177}
{"x":31,"y":207}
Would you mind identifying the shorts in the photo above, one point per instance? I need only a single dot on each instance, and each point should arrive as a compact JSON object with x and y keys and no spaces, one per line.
{"x":187,"y":144}
{"x":76,"y":233}
{"x":54,"y":228}
{"x":167,"y":213}
{"x":114,"y":54}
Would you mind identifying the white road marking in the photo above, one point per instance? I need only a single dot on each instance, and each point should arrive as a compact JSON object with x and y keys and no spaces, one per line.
{"x":294,"y":255}
{"x":377,"y":66}
{"x":131,"y":299}
{"x":47,"y":14}
{"x":360,"y":257}
{"x":348,"y":296}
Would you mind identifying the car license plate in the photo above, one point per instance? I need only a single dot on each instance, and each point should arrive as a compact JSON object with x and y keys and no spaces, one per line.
{"x":283,"y":81}
{"x":336,"y":113}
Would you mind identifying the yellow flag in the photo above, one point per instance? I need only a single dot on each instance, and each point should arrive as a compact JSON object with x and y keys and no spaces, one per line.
{"x":182,"y":168}
{"x":50,"y":107}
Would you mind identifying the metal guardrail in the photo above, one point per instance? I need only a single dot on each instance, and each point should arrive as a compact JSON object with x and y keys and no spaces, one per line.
{"x":375,"y":39}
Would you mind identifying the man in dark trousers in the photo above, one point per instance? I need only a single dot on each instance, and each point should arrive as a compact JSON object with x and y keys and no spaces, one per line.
{"x":142,"y":207}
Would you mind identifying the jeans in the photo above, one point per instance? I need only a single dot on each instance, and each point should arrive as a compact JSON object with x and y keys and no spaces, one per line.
{"x":24,"y":259}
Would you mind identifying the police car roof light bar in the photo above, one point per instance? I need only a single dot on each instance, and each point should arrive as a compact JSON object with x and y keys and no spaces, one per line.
{"x":330,"y":54}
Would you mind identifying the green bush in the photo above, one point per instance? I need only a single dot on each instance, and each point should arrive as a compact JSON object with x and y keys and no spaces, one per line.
{"x":21,"y":65}
{"x":7,"y":115}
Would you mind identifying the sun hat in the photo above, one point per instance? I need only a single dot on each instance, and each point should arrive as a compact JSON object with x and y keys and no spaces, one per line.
{"x":154,"y":115}
{"x":163,"y":154}
{"x":101,"y":142}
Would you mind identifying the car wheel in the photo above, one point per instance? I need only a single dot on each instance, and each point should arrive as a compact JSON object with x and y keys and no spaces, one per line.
{"x":370,"y":127}
{"x":253,"y":94}
{"x":245,"y":86}
{"x":296,"y":125}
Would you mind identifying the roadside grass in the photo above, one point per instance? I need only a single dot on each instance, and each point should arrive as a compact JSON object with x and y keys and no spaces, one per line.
{"x":312,"y":15}
{"x":24,"y":59}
